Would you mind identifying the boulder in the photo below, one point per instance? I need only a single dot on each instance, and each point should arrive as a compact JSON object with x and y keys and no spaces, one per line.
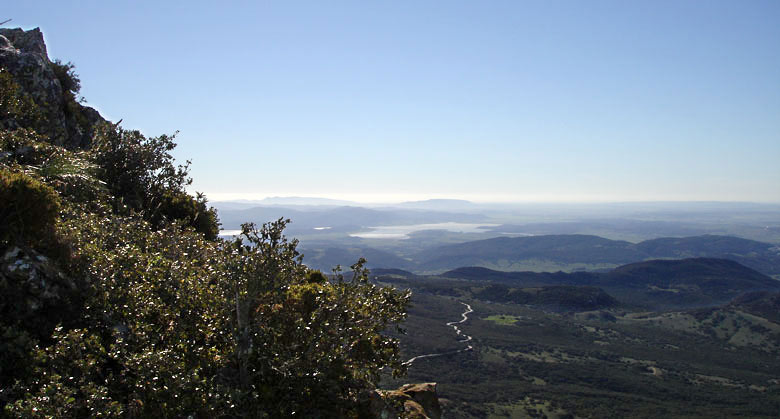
{"x":416,"y":401}
{"x":34,"y":292}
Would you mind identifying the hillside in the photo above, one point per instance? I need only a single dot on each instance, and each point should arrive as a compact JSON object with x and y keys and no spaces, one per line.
{"x":118,"y":298}
{"x":683,"y":283}
{"x":505,"y":251}
{"x":534,"y":356}
{"x":764,"y":304}
{"x":577,"y":252}
{"x":763,"y":257}
{"x":656,"y":284}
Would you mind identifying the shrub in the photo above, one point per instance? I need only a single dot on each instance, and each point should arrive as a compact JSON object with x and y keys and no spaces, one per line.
{"x":140,"y":173}
{"x":193,"y":212}
{"x":28,"y":209}
{"x":157,"y":321}
{"x":17,"y":110}
{"x":69,"y":80}
{"x":322,"y":340}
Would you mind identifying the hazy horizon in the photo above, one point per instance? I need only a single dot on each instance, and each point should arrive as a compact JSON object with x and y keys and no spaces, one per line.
{"x":378,"y":199}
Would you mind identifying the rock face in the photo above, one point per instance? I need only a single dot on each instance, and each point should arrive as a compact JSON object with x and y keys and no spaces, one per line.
{"x":68,"y":123}
{"x":41,"y":293}
{"x":416,"y":401}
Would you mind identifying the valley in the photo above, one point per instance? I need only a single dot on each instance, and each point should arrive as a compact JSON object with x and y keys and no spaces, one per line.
{"x":536,"y":359}
{"x":386,"y":210}
{"x":428,"y":237}
{"x":572,"y":312}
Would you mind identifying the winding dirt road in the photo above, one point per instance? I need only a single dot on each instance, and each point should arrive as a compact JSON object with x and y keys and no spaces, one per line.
{"x":459,"y":332}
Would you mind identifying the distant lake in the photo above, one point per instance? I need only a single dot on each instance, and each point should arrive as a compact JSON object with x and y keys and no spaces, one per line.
{"x":402,"y":232}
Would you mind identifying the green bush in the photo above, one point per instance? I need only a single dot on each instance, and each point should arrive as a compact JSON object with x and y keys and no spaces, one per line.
{"x":69,"y":80}
{"x":140,"y":173}
{"x":28,"y":209}
{"x":193,"y":212}
{"x":17,"y":110}
{"x":146,"y":312}
{"x":175,"y":325}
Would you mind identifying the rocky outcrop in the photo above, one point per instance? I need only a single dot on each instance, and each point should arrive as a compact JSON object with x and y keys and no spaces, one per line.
{"x":416,"y":401}
{"x":68,"y":123}
{"x":38,"y":293}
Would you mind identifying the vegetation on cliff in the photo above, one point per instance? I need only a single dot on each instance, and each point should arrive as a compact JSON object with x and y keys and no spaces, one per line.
{"x":117,"y":298}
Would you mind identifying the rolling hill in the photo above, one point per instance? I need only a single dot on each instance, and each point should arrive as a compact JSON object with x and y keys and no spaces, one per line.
{"x":585,"y":252}
{"x":655,"y":284}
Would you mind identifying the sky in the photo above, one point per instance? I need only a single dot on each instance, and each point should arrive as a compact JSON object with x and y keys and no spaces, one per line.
{"x":497,"y":101}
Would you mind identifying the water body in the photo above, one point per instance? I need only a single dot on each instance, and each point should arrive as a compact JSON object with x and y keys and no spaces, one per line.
{"x":458,"y":332}
{"x":229,"y":234}
{"x":402,"y":232}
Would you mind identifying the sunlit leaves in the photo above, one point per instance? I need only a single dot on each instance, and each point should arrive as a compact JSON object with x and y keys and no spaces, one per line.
{"x":169,"y":320}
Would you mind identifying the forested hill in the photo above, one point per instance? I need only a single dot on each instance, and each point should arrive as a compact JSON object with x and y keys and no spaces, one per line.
{"x":592,"y":252}
{"x":655,"y":284}
{"x":117,"y":299}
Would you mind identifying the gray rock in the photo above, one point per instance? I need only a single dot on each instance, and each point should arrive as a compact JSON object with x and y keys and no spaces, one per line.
{"x":35,"y":277}
{"x":5,"y":44}
{"x":418,"y":401}
{"x":23,"y":54}
{"x":30,"y":42}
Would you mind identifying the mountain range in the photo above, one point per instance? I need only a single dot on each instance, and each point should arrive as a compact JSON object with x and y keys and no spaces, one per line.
{"x":572,"y":252}
{"x":346,"y":219}
{"x":656,"y":284}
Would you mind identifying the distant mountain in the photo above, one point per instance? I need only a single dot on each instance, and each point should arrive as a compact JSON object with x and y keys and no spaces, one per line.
{"x":390,"y":271}
{"x":656,"y":284}
{"x":618,"y":226}
{"x":686,"y":282}
{"x":302,"y":203}
{"x":505,"y":251}
{"x":573,"y":251}
{"x":326,"y":259}
{"x":339,"y":218}
{"x":763,"y":257}
{"x":302,"y":200}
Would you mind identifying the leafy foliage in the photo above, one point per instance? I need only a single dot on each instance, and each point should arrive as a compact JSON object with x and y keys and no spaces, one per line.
{"x":28,"y":209}
{"x":16,"y":108}
{"x":137,"y":170}
{"x":140,"y":310}
{"x":192,"y":212}
{"x":66,"y":75}
{"x":141,"y":174}
{"x":328,"y":331}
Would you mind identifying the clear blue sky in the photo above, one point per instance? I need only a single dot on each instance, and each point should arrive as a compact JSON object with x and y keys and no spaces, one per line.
{"x":491,"y":101}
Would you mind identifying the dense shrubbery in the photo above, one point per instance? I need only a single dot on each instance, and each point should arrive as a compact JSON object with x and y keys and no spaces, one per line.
{"x":153,"y":315}
{"x":191,"y":211}
{"x":141,"y":175}
{"x":28,"y":209}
